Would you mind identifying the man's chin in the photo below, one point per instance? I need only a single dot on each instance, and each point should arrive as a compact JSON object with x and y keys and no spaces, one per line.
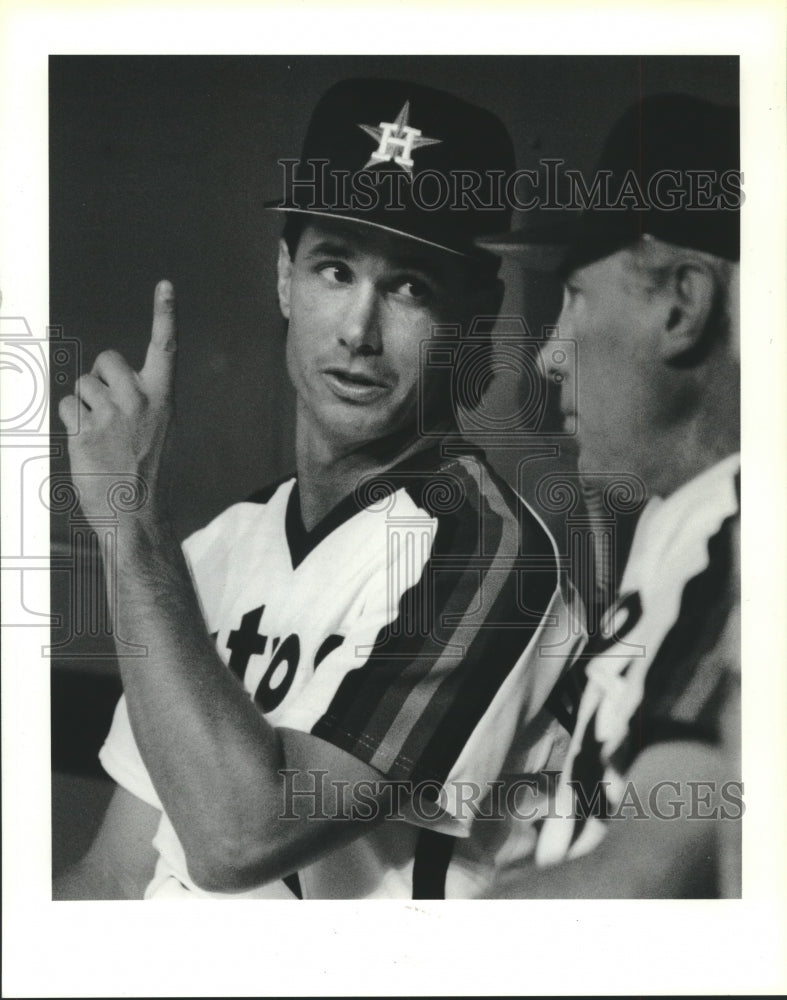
{"x":585,"y":462}
{"x":361,"y":434}
{"x":596,"y":466}
{"x":591,"y":463}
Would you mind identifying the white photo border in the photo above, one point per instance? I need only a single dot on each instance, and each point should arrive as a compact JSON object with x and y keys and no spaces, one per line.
{"x":390,"y":948}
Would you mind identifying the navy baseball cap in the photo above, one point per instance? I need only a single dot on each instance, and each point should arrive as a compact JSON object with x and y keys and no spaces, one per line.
{"x":405,"y":158}
{"x":670,"y":169}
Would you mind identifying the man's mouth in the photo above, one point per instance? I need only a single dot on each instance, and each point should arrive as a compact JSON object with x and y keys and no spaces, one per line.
{"x":355,"y":386}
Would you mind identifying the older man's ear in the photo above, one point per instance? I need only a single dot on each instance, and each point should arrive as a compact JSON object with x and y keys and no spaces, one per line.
{"x":691,"y":294}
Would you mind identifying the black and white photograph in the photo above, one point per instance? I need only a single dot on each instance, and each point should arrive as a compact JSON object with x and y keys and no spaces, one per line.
{"x":372,"y":465}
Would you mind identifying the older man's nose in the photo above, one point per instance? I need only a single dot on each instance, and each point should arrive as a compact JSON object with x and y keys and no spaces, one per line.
{"x":554,"y":360}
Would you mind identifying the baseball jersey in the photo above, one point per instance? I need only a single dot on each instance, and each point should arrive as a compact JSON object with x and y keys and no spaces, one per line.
{"x":404,"y":628}
{"x":654,"y":673}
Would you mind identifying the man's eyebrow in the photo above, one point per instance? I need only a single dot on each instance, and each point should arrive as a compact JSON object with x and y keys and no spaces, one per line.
{"x":336,"y":247}
{"x":331,"y":248}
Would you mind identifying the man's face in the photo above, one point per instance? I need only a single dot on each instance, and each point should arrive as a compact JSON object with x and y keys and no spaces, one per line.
{"x":614,"y":319}
{"x":359,"y":303}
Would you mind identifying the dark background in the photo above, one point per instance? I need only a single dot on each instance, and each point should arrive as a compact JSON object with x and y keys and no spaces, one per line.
{"x":158,"y":168}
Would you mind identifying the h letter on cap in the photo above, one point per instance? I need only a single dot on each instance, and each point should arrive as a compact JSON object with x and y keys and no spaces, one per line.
{"x":397,"y":136}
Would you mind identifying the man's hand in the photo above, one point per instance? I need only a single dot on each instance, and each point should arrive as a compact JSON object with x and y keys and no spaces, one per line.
{"x":118,"y":418}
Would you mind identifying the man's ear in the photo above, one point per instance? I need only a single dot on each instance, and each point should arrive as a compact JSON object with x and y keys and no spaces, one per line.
{"x":285,"y":277}
{"x":692,"y":296}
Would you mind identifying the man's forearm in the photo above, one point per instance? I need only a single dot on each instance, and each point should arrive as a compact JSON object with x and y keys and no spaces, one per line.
{"x":213,"y":758}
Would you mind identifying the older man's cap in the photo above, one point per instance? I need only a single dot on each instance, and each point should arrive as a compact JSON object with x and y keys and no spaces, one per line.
{"x":400,"y":156}
{"x":669,"y":169}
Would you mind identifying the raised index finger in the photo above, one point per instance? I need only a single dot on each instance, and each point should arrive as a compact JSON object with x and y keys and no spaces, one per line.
{"x":159,"y":368}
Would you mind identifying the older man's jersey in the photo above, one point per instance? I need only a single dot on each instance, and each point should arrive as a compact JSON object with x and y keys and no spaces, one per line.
{"x":405,"y":628}
{"x":663,"y":667}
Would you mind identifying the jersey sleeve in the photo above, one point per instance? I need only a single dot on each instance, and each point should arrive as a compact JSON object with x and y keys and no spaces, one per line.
{"x":431,"y":685}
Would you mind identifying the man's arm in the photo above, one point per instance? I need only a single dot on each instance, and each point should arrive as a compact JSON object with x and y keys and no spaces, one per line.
{"x":215,"y":762}
{"x":121,"y":859}
{"x":673,"y":853}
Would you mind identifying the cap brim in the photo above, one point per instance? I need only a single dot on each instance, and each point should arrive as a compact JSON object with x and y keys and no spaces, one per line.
{"x":541,"y":245}
{"x":542,"y":227}
{"x":470,"y":251}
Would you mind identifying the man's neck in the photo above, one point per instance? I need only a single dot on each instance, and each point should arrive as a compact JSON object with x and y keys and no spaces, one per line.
{"x":699,"y":425}
{"x":692,"y":449}
{"x":328,"y":471}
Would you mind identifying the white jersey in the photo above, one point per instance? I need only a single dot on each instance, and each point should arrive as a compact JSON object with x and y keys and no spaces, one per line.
{"x":647,"y":677}
{"x":405,"y":628}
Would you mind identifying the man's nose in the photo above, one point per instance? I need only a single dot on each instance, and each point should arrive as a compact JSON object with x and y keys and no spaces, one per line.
{"x":361,"y":333}
{"x":553,"y":358}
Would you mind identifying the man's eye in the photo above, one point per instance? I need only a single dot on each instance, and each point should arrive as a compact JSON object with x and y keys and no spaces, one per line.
{"x":335,"y":274}
{"x":414,"y":288}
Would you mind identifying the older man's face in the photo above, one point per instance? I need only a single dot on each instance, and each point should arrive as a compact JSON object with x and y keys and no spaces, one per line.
{"x":614,"y":319}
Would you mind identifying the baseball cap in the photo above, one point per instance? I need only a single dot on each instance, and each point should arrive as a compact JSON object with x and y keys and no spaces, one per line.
{"x":403,"y":157}
{"x":669,"y":169}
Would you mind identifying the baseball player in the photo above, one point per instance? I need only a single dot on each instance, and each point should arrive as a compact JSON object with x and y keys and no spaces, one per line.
{"x":333,"y":662}
{"x":649,"y":796}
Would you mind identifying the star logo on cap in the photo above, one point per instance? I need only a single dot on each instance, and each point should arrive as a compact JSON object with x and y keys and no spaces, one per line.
{"x":397,"y":140}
